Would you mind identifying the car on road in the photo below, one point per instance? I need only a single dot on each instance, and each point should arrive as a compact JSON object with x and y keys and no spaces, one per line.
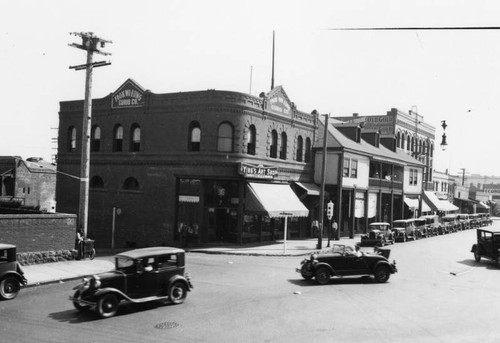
{"x":380,"y":233}
{"x":487,"y":246}
{"x":11,"y":274}
{"x":140,"y":275}
{"x":464,"y":220}
{"x":346,"y":260}
{"x":421,"y":228}
{"x":431,"y":224}
{"x":404,"y":229}
{"x":451,"y":222}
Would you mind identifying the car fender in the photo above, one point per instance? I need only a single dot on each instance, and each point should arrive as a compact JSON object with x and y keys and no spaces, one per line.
{"x":21,"y":279}
{"x":323,"y":264}
{"x":475,"y":248}
{"x":383,"y":263}
{"x":180,"y":278}
{"x":102,"y":291}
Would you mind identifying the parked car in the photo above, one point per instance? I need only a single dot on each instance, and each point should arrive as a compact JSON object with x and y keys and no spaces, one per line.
{"x":431,"y":224}
{"x":11,"y":274}
{"x":345,"y":260}
{"x":475,"y":220}
{"x":421,"y":228}
{"x":140,"y":275}
{"x":487,"y":246}
{"x":464,"y":220}
{"x":451,"y":222}
{"x":404,"y":229}
{"x":380,"y":233}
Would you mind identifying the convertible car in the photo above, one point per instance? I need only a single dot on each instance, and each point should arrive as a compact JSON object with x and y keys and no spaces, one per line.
{"x":346,"y":260}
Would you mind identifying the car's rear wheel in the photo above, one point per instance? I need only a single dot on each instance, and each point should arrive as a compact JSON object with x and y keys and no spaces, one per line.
{"x":382,"y":274}
{"x":322,"y":275}
{"x":9,"y":288}
{"x":178,"y":292}
{"x":77,"y":304}
{"x":477,"y":257}
{"x":107,"y":305}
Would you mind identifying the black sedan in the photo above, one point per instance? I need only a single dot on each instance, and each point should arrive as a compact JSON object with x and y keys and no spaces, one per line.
{"x":346,"y":260}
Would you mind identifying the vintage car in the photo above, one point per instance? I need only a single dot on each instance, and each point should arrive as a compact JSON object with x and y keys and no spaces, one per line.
{"x":431,"y":224}
{"x":487,"y":246}
{"x":464,"y":220}
{"x":451,"y":222}
{"x":421,"y":228}
{"x":404,"y":229}
{"x":345,"y":260}
{"x":140,"y":275}
{"x":475,"y":220}
{"x":11,"y":274}
{"x":380,"y":233}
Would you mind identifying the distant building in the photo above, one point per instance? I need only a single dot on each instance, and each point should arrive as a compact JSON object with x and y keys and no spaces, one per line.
{"x":27,"y":184}
{"x":404,"y":132}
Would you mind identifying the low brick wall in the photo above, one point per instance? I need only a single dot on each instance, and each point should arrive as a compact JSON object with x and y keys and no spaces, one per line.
{"x":28,"y":258}
{"x":45,"y":232}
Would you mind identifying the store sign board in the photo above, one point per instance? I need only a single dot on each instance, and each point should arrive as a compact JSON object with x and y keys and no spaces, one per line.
{"x":257,"y":171}
{"x":128,"y":95}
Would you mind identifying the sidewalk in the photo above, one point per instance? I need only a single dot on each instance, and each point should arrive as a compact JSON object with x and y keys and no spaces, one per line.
{"x":46,"y":273}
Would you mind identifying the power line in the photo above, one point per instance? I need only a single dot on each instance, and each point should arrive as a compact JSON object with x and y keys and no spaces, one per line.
{"x":426,"y":28}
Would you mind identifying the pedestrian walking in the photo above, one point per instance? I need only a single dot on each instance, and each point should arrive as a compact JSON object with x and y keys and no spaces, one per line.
{"x":334,"y":230}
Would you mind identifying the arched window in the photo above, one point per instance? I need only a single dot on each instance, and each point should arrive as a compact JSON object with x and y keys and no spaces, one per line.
{"x":96,"y":182}
{"x":283,"y":146}
{"x":403,"y":146}
{"x":72,"y":139}
{"x":194,"y":138}
{"x":398,"y":140}
{"x":408,"y":143}
{"x":118,"y":138}
{"x":135,"y":138}
{"x":131,"y":184}
{"x":225,"y":138}
{"x":251,"y":140}
{"x":274,"y":144}
{"x":307,"y":155}
{"x":300,"y":148}
{"x":95,"y":139}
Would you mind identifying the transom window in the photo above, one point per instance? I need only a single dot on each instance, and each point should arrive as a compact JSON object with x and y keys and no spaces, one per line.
{"x":194,"y":137}
{"x":135,"y":135}
{"x":118,"y":138}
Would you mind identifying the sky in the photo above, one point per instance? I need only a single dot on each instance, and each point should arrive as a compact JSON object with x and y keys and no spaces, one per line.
{"x":170,"y":46}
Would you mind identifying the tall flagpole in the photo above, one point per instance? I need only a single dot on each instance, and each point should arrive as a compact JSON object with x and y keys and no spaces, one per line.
{"x":272,"y":75}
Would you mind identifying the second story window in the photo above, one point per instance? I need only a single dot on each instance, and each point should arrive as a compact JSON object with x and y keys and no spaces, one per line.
{"x":194,"y":136}
{"x":251,"y":140}
{"x":135,"y":138}
{"x":274,"y":144}
{"x":300,"y":148}
{"x":225,"y":138}
{"x":72,"y":139}
{"x":95,"y":139}
{"x":345,"y":172}
{"x":283,"y":146}
{"x":118,"y":138}
{"x":354,"y":169}
{"x":96,"y":182}
{"x":131,"y":184}
{"x":307,"y":152}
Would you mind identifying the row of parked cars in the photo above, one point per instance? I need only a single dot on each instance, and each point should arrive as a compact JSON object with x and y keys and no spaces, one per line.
{"x":381,"y":233}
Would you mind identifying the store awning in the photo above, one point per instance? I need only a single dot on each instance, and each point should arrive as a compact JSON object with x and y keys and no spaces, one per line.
{"x":439,"y":205}
{"x":310,"y":188}
{"x":274,"y":200}
{"x":413,"y":204}
{"x":483,"y":205}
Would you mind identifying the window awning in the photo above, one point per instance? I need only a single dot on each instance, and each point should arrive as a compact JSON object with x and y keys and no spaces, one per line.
{"x":483,"y":205}
{"x":310,"y":188}
{"x":413,"y":204}
{"x":439,"y":205}
{"x":274,"y":200}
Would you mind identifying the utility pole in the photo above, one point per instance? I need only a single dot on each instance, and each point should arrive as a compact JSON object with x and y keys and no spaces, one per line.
{"x":322,"y":191}
{"x":463,"y":175}
{"x":91,"y":44}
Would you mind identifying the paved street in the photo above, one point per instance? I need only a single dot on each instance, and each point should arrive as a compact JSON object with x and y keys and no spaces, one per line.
{"x":439,"y":295}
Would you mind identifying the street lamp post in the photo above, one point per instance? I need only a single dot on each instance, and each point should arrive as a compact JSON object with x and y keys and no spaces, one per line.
{"x":322,"y":191}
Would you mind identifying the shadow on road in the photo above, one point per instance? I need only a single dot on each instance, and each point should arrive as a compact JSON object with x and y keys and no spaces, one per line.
{"x":76,"y":317}
{"x":484,"y":263}
{"x":335,"y":281}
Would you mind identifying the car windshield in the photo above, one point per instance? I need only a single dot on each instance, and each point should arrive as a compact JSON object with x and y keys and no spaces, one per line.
{"x":399,"y":224}
{"x":124,"y":262}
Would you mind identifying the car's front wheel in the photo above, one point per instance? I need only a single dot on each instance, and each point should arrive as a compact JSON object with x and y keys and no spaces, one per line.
{"x":382,"y":274}
{"x":178,"y":292}
{"x":77,"y":304}
{"x":107,"y":305}
{"x":477,"y":257}
{"x":322,"y":275}
{"x":9,"y":288}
